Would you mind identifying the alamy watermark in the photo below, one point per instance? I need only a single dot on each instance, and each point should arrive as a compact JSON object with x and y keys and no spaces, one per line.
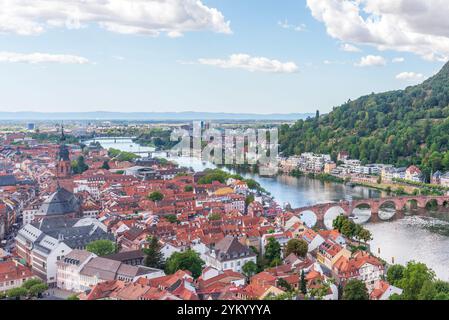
{"x":229,"y":146}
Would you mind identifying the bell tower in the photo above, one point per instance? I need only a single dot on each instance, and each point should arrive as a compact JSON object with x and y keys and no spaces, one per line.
{"x":63,"y":164}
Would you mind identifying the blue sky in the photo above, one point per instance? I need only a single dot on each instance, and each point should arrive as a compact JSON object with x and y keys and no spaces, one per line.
{"x":93,"y":68}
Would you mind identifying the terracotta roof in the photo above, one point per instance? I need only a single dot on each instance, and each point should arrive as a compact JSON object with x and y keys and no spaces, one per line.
{"x":9,"y":271}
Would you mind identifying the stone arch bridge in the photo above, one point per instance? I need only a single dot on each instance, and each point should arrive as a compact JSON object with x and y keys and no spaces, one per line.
{"x":400,"y":203}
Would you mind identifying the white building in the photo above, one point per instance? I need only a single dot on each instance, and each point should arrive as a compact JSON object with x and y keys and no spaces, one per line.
{"x":69,"y":268}
{"x":229,"y":254}
{"x":40,"y":251}
{"x":80,"y":270}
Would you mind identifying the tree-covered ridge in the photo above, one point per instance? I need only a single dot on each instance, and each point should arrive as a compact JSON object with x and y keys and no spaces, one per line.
{"x":400,"y":127}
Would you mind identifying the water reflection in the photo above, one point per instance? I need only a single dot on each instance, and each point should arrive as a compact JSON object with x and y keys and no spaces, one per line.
{"x":361,"y":214}
{"x":387,"y":211}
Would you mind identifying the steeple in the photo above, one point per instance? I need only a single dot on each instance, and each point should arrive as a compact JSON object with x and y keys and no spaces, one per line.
{"x":62,"y":139}
{"x":63,"y":165}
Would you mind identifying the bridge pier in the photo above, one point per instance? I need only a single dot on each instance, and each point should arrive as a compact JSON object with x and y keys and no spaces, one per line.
{"x":400,"y":214}
{"x":374,"y":217}
{"x":320,"y":224}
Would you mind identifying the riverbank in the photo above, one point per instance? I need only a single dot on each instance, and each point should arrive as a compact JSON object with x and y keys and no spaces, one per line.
{"x":388,"y":188}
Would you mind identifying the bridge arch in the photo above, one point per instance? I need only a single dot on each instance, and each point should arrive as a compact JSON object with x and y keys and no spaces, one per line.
{"x":362,"y":212}
{"x":411,"y":205}
{"x":387,"y":209}
{"x":332,"y":213}
{"x":431,"y":204}
{"x":309,"y":217}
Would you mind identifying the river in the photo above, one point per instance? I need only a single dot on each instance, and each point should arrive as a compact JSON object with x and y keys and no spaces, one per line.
{"x":399,"y":240}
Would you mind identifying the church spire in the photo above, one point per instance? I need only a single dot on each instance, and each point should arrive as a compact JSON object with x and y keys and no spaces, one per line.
{"x":62,"y":139}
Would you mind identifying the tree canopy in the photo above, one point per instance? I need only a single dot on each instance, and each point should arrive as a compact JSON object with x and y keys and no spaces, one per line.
{"x":102,"y":247}
{"x":187,"y":260}
{"x":297,"y":246}
{"x":79,"y":166}
{"x":273,"y":252}
{"x":249,"y":269}
{"x":153,"y":256}
{"x":355,"y":290}
{"x":418,"y":282}
{"x":156,"y":196}
{"x":350,"y":229}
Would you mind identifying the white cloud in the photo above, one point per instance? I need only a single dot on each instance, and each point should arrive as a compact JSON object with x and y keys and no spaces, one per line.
{"x":328,"y":62}
{"x":398,"y":60}
{"x":37,"y":57}
{"x":371,"y":61}
{"x":247,"y":62}
{"x":416,"y":26}
{"x":150,"y":17}
{"x":286,"y":25}
{"x":349,"y":48}
{"x":410,"y":76}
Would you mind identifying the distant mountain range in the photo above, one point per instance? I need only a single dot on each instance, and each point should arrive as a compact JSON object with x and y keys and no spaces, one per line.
{"x":148,"y":116}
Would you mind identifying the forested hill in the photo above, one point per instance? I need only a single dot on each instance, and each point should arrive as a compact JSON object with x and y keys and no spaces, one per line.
{"x":401,"y":127}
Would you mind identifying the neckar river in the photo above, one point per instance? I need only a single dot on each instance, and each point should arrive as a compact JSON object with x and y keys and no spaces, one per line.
{"x":399,"y":240}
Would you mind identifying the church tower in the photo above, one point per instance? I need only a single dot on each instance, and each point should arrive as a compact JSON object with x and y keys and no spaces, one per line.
{"x":63,"y":164}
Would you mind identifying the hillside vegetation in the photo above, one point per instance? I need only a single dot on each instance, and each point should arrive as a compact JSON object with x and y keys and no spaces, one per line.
{"x":400,"y":127}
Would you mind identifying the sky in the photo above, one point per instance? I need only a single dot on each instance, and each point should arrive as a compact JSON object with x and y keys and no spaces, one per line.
{"x":247,"y":56}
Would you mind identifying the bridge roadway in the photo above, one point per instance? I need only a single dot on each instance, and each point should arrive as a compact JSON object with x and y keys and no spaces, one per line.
{"x":347,"y":207}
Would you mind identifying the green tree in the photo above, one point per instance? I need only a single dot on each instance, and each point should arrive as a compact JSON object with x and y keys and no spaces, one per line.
{"x":303,"y":283}
{"x":428,"y":291}
{"x":249,"y":199}
{"x":297,"y":246}
{"x":38,"y":289}
{"x":355,"y":290}
{"x":214,"y":216}
{"x":79,"y":166}
{"x":122,"y":155}
{"x":414,"y":277}
{"x":188,"y":188}
{"x":364,"y":235}
{"x":73,"y":297}
{"x":31,"y":282}
{"x":171,"y":218}
{"x":156,"y":196}
{"x":153,"y":255}
{"x":249,"y":269}
{"x":320,"y":291}
{"x":102,"y":247}
{"x":105,"y":165}
{"x":17,"y":293}
{"x":395,"y":274}
{"x":272,"y":251}
{"x":187,"y":260}
{"x":441,"y":296}
{"x":284,"y":285}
